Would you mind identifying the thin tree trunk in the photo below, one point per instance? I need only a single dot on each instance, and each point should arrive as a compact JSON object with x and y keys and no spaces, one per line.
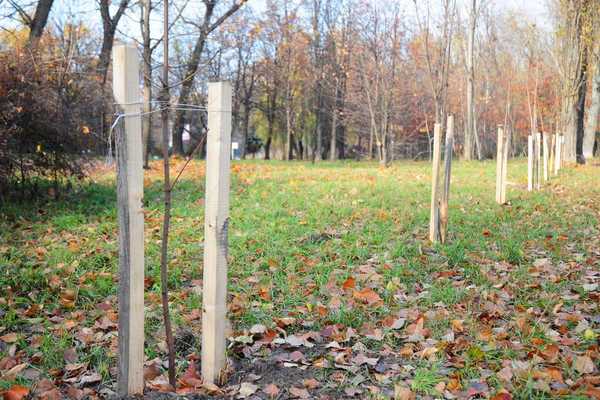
{"x":333,"y":139}
{"x":146,"y":7}
{"x":192,"y":67}
{"x":470,"y":131}
{"x":167,"y":198}
{"x":592,"y":118}
{"x":581,"y":111}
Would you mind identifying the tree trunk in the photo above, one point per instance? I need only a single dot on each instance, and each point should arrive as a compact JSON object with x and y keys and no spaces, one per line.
{"x":192,"y":67}
{"x":109,"y":27}
{"x":288,"y":132}
{"x":245,"y":126}
{"x":332,"y":143}
{"x":591,"y":126}
{"x":371,"y":134}
{"x":318,"y":147}
{"x":39,"y":21}
{"x":581,"y":111}
{"x":186,"y":90}
{"x":470,"y":131}
{"x":147,"y":71}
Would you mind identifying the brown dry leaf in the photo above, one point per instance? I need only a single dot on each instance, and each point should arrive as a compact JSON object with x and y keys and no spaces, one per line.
{"x":13,"y":372}
{"x":9,"y":337}
{"x":502,"y":396}
{"x":311,"y":383}
{"x":271,"y":390}
{"x":403,"y":393}
{"x":367,"y":296}
{"x":191,"y":378}
{"x":550,"y":353}
{"x":75,"y":393}
{"x":16,"y":392}
{"x":247,"y":389}
{"x":457,"y":325}
{"x":349,"y":283}
{"x":299,"y":393}
{"x":151,"y":372}
{"x":583,"y":365}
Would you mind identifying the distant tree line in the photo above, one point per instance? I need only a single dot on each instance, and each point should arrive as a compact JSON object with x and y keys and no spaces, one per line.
{"x":313,"y":79}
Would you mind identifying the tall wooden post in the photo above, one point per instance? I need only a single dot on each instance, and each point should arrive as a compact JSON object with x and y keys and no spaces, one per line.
{"x":501,"y":165}
{"x":557,"y":154}
{"x":130,"y":191}
{"x":562,"y":151}
{"x":434,"y":218}
{"x":546,"y":151}
{"x":216,"y":220}
{"x":530,"y":157}
{"x":505,"y":165}
{"x":552,"y":161}
{"x":538,"y":160}
{"x":447,"y":177}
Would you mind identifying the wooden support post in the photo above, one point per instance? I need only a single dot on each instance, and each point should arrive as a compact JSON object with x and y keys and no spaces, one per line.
{"x":499,"y":164}
{"x":505,"y":166}
{"x":434,"y":218}
{"x":130,"y":192}
{"x":545,"y":150}
{"x":216,"y":220}
{"x":538,"y":160}
{"x":552,"y":152}
{"x":530,"y":163}
{"x":557,"y":154}
{"x":562,"y":151}
{"x":447,"y":177}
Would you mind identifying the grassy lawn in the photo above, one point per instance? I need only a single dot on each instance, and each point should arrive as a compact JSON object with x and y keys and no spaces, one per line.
{"x":335,"y":256}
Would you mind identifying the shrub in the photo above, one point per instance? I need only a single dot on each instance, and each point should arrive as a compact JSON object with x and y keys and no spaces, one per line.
{"x":46,"y":117}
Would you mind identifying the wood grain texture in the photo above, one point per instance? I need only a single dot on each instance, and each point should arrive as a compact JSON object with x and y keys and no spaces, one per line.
{"x":434,"y":218}
{"x":500,"y":143}
{"x":130,"y":192}
{"x":214,"y":312}
{"x":530,"y":159}
{"x":445,"y":196}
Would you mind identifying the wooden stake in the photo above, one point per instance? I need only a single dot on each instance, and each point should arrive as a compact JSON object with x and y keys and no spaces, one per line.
{"x":130,"y":191}
{"x":499,"y":164}
{"x":530,"y":163}
{"x":216,"y":222}
{"x":538,"y":160}
{"x":557,"y":155}
{"x":562,"y":151}
{"x":505,"y":165}
{"x":447,"y":177}
{"x":545,"y":148}
{"x":434,"y":219}
{"x":552,"y":152}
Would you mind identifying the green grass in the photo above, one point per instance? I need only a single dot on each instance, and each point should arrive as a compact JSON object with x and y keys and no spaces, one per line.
{"x":297,"y":230}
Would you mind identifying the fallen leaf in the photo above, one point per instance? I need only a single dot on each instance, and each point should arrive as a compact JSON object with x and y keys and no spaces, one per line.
{"x":299,"y":393}
{"x":367,"y":296}
{"x":271,"y":390}
{"x":247,"y":389}
{"x":403,"y":393}
{"x":349,"y":283}
{"x":583,"y":365}
{"x":311,"y":383}
{"x":9,"y":337}
{"x":16,"y":392}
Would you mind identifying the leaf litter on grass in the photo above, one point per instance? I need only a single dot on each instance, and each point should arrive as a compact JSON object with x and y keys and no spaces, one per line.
{"x":368,"y":310}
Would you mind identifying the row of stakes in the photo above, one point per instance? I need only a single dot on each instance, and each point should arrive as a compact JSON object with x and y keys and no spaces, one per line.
{"x":545,"y":154}
{"x":130,"y":191}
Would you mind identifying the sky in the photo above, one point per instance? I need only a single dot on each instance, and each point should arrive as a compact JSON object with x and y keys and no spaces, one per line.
{"x":87,"y":11}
